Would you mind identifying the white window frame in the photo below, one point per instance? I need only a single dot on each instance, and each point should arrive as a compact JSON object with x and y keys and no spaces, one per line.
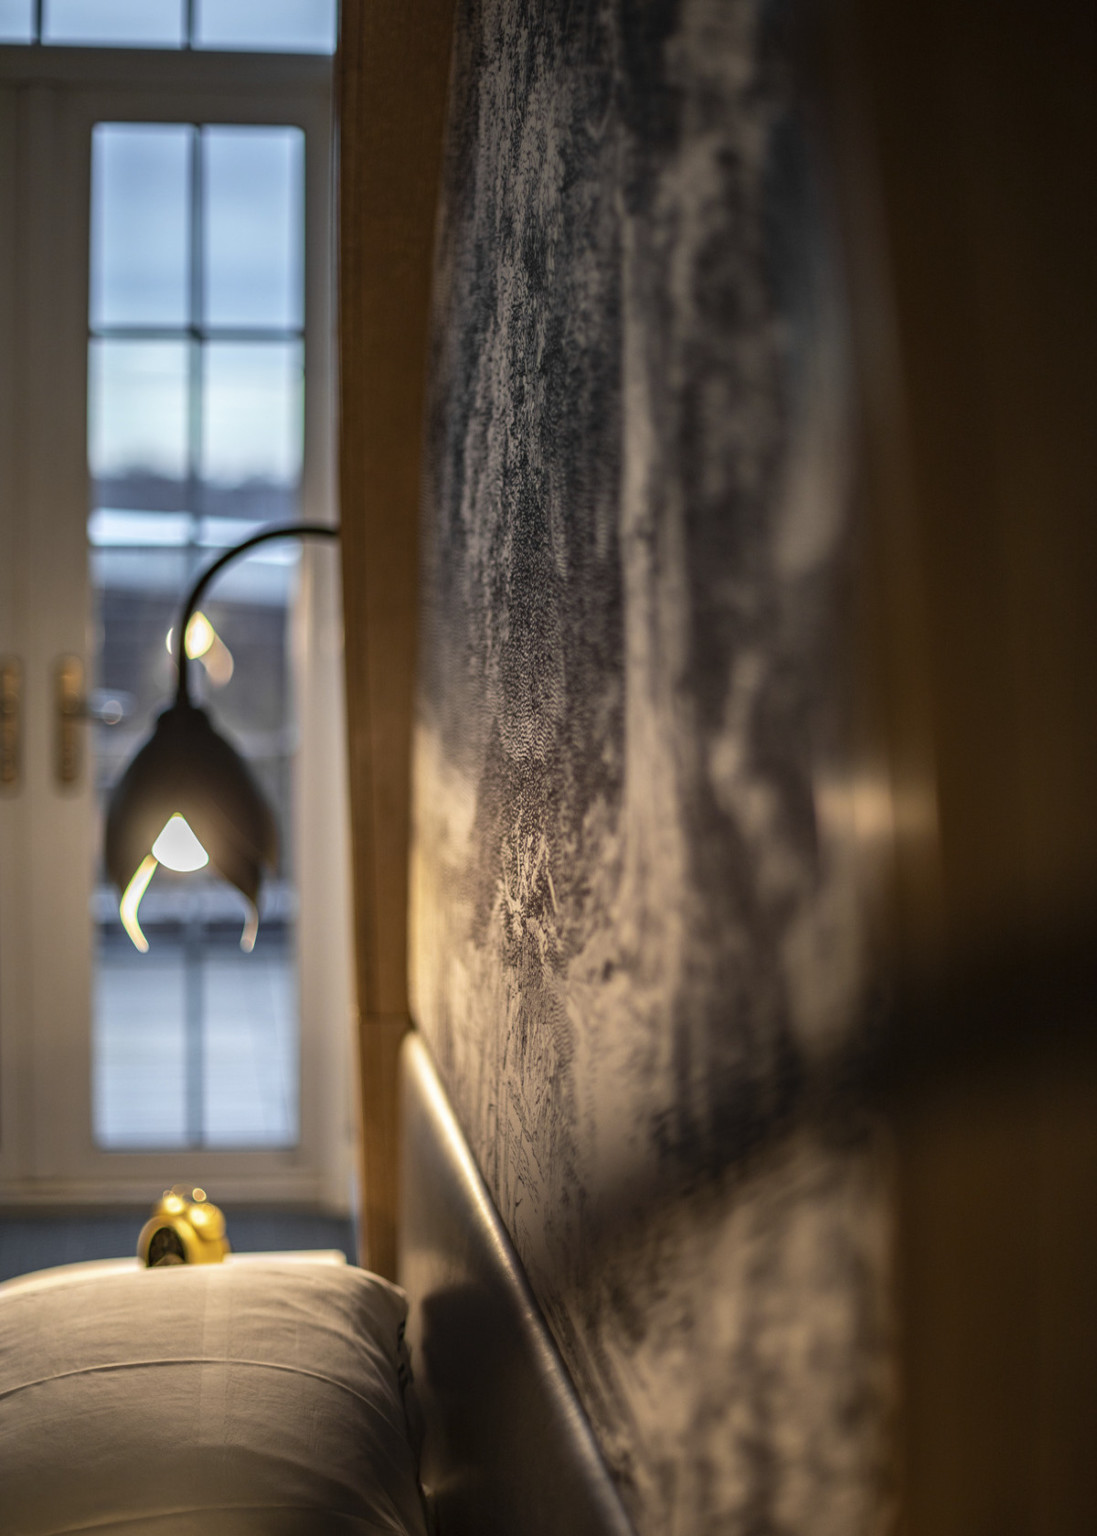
{"x":50,"y":99}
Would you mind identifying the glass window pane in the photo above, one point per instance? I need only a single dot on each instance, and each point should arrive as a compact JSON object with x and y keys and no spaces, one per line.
{"x":195,"y":1044}
{"x":191,"y":445}
{"x":139,"y":224}
{"x":16,"y":21}
{"x":304,"y":26}
{"x":243,"y":507}
{"x":251,"y":413}
{"x":136,"y":23}
{"x":214,"y":1035}
{"x":253,"y":220}
{"x":122,"y":527}
{"x":137,"y":409}
{"x":139,"y":1046}
{"x":251,"y":1043}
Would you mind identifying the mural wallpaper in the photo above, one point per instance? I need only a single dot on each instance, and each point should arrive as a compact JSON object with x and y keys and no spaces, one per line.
{"x":639,"y":954}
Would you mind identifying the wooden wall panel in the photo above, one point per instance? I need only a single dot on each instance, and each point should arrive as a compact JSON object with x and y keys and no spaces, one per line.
{"x":966,"y":148}
{"x":392,"y":69}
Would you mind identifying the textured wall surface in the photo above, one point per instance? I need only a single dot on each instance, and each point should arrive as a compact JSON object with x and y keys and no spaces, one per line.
{"x":638,"y":945}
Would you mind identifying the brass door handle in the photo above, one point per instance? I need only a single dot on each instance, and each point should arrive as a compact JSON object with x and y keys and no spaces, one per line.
{"x":70,"y":712}
{"x":11,"y":722}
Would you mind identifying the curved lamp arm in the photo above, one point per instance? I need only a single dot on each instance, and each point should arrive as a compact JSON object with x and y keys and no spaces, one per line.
{"x":194,"y":597}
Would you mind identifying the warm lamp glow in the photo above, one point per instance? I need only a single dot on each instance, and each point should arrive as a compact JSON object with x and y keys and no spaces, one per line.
{"x":131,"y":900}
{"x":204,"y":644}
{"x":200,"y":636}
{"x":178,"y":848}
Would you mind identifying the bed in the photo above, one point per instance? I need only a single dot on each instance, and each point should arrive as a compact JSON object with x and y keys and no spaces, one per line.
{"x":287,"y":1394}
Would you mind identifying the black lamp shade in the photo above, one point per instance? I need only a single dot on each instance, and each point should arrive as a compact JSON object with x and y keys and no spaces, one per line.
{"x":186,"y":767}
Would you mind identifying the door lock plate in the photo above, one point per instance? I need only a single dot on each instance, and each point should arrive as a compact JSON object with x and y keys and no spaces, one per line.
{"x":70,"y":715}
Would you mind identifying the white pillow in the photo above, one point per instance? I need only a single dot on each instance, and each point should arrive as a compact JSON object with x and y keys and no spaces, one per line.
{"x":211,"y":1398}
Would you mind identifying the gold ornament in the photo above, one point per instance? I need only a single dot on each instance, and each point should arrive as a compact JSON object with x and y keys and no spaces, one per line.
{"x":184,"y":1228}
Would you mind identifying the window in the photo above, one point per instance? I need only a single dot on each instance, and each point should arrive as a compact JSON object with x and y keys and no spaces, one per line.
{"x":196,"y":354}
{"x":303,"y":26}
{"x":164,"y":307}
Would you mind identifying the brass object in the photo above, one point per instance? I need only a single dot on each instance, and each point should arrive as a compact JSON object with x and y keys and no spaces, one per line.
{"x":184,"y":1228}
{"x":71,"y":712}
{"x":11,"y":722}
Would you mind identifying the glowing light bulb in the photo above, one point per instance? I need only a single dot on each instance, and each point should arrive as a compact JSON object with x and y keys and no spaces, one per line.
{"x":200,"y":636}
{"x":204,"y":644}
{"x":131,"y":900}
{"x":178,"y":848}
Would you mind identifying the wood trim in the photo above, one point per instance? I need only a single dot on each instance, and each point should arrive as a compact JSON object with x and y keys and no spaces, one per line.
{"x":392,"y":72}
{"x":965,"y":160}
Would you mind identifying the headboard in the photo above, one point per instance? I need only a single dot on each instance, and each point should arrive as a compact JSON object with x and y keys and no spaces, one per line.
{"x":508,"y":1448}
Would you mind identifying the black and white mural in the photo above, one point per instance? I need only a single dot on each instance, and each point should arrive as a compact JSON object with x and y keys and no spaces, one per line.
{"x":639,"y":948}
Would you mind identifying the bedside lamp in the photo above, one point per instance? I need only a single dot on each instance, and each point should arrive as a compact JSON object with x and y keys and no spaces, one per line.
{"x":188,"y":799}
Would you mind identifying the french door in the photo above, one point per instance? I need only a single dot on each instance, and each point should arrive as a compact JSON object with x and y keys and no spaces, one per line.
{"x":165,"y":389}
